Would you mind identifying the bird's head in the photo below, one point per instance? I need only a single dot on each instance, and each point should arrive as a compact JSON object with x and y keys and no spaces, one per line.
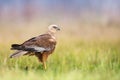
{"x":54,"y":28}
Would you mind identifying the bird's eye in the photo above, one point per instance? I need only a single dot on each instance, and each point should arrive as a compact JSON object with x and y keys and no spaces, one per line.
{"x":54,"y":27}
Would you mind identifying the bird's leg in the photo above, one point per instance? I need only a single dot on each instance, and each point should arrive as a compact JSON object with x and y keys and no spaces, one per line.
{"x":44,"y":65}
{"x":44,"y":59}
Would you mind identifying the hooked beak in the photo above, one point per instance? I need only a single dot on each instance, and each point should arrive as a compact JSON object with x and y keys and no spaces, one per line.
{"x":58,"y":29}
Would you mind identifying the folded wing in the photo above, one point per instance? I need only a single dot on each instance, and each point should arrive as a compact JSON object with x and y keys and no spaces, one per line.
{"x":40,"y":44}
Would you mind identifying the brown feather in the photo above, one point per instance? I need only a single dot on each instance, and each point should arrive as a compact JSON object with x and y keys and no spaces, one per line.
{"x":41,"y":46}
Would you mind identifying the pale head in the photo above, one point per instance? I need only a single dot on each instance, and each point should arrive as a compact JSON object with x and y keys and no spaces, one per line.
{"x":54,"y":28}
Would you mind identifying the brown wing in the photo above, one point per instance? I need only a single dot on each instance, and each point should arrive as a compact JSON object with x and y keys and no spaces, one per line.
{"x":41,"y":43}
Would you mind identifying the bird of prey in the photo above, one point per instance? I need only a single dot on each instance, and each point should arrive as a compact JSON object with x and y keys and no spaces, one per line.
{"x":41,"y":46}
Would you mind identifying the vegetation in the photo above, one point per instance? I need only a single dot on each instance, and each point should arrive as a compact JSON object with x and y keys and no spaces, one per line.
{"x":73,"y":59}
{"x":84,"y":52}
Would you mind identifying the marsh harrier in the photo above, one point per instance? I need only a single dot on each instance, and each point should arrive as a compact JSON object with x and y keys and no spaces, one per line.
{"x":41,"y":46}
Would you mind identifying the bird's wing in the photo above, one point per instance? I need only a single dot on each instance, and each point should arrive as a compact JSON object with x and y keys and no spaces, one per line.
{"x":41,"y":43}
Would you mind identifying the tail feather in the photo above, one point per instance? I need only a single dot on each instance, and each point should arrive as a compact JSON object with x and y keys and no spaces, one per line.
{"x":18,"y":54}
{"x":16,"y":46}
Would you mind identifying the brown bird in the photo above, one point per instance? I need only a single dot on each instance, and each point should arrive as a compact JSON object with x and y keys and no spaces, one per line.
{"x":41,"y":46}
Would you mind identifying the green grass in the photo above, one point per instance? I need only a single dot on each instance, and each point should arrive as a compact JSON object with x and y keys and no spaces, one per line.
{"x":73,"y":59}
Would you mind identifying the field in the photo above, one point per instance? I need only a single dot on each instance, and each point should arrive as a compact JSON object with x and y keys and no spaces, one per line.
{"x":77,"y":57}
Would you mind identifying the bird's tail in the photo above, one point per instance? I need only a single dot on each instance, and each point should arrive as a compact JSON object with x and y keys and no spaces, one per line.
{"x":18,"y":53}
{"x":15,"y":46}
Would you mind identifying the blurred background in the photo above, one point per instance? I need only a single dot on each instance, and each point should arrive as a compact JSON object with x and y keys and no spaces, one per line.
{"x":88,"y":44}
{"x":85,"y":19}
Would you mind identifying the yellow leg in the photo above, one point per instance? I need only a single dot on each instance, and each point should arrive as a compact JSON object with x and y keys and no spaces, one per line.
{"x":44,"y":65}
{"x":44,"y":59}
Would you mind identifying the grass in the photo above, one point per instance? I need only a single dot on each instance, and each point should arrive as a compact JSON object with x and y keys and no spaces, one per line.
{"x":73,"y":59}
{"x":78,"y":55}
